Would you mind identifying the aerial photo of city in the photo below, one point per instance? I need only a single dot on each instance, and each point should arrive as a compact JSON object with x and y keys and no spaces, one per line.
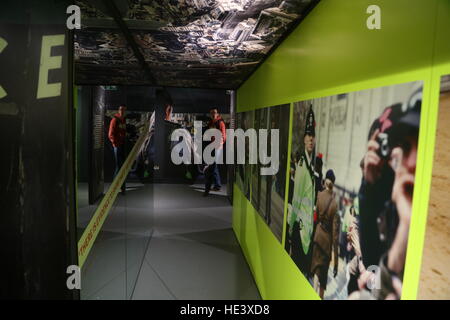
{"x":192,"y":40}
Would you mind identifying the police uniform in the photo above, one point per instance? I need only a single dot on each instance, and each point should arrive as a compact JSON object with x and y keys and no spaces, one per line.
{"x":300,"y":220}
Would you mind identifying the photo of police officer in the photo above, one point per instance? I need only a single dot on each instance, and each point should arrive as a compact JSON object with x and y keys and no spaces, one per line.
{"x":368,"y":145}
{"x":299,"y":229}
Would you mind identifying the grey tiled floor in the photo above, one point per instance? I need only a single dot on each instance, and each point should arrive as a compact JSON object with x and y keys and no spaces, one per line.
{"x":113,"y":265}
{"x":193,"y":253}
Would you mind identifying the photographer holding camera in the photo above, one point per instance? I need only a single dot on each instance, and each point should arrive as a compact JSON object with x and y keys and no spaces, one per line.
{"x":385,"y":196}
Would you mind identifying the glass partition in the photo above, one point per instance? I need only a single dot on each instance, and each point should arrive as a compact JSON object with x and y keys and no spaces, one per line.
{"x":115,"y":220}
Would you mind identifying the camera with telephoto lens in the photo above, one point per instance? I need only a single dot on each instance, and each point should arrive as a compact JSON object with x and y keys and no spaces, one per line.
{"x":383,"y":141}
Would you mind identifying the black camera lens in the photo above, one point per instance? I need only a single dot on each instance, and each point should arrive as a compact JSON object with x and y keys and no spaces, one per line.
{"x":383,"y":141}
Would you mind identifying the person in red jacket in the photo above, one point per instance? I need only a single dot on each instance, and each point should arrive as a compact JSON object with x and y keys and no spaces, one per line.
{"x":117,"y":135}
{"x":212,"y":171}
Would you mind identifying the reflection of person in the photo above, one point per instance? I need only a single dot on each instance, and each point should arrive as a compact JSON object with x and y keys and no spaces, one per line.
{"x":212,"y":173}
{"x":301,"y":210}
{"x":168,"y":112}
{"x":326,"y":237}
{"x":384,"y":227}
{"x":117,"y":135}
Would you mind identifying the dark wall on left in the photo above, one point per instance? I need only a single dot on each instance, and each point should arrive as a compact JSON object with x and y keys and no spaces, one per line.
{"x":37,"y":216}
{"x":84,"y":101}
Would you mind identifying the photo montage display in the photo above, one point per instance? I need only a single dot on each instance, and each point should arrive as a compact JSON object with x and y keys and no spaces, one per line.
{"x":255,"y":180}
{"x":352,"y":170}
{"x":266,"y":192}
{"x":272,"y":187}
{"x":243,"y":171}
{"x":238,"y":168}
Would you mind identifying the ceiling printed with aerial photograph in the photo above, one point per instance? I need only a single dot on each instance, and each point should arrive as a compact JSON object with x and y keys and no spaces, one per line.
{"x":186,"y":43}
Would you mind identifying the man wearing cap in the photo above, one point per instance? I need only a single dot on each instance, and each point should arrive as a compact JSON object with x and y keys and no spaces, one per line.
{"x":301,"y":209}
{"x":326,"y":237}
{"x":385,"y":196}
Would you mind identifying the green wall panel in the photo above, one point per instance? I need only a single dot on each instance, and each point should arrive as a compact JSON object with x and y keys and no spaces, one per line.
{"x":333,"y":52}
{"x":332,"y":47}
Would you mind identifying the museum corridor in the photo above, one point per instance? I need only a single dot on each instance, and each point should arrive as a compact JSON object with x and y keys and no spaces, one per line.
{"x":224,"y":150}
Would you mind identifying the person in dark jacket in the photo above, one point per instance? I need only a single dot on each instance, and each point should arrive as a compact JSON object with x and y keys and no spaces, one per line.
{"x":385,"y":197}
{"x":117,"y":135}
{"x":212,"y":173}
{"x":326,"y":238}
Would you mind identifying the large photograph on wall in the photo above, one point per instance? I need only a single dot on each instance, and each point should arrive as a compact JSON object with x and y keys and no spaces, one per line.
{"x":272,"y":187}
{"x":266,"y":192}
{"x":238,"y":168}
{"x":351,"y":181}
{"x":255,"y":182}
{"x":244,"y":121}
